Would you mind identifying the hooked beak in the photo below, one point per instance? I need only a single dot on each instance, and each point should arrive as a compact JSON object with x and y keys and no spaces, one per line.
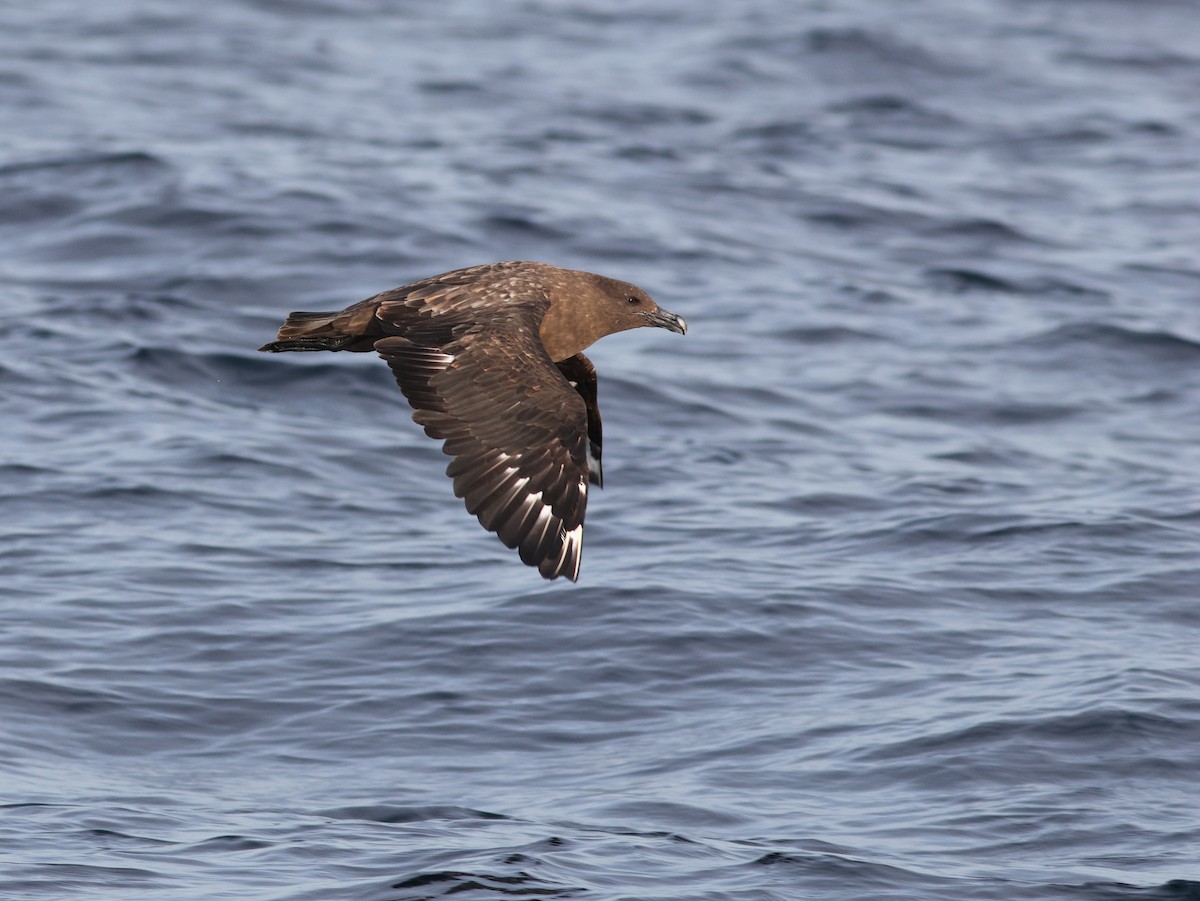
{"x":669,"y":321}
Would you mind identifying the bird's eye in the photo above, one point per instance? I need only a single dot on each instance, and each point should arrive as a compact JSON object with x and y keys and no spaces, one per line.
{"x":633,"y":301}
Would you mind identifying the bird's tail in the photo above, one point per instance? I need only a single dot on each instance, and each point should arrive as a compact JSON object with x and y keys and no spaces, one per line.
{"x":343,"y":330}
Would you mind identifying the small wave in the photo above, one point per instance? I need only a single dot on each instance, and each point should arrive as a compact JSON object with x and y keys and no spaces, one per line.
{"x":520,"y":226}
{"x":632,"y":115}
{"x":827,"y":334}
{"x":993,"y":231}
{"x":963,"y":280}
{"x":834,"y":871}
{"x":1112,"y":729}
{"x":1171,"y":890}
{"x":1155,"y":345}
{"x":1177,"y":64}
{"x":863,"y":54}
{"x":980,"y":412}
{"x":448,"y":883}
{"x":89,"y":165}
{"x":892,"y":120}
{"x":389,"y":813}
{"x":51,"y":189}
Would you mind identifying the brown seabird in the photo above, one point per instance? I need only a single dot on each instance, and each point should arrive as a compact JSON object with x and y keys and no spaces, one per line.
{"x":490,"y":359}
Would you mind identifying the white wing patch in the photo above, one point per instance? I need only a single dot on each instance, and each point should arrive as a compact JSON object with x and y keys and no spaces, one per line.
{"x":593,"y":463}
{"x":571,"y":552}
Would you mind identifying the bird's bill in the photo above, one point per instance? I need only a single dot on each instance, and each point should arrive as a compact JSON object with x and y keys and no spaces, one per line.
{"x":669,"y":321}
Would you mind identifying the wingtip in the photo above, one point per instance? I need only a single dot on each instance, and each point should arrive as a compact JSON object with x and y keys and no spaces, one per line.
{"x":569,"y":558}
{"x":550,"y":573}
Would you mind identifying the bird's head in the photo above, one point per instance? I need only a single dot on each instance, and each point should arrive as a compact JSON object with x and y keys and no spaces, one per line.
{"x":585,"y":307}
{"x":633,"y":308}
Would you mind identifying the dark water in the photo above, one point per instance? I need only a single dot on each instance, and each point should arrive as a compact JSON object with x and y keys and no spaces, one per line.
{"x":893,"y":590}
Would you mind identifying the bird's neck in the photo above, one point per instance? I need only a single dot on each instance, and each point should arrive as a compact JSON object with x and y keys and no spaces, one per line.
{"x":566,"y":331}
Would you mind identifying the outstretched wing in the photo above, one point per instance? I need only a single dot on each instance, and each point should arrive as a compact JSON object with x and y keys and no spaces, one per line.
{"x":479,"y":379}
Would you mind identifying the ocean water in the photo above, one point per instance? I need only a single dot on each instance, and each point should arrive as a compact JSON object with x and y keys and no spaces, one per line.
{"x":893,"y":591}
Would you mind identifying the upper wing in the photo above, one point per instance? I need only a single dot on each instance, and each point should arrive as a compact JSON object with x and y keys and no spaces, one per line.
{"x":479,"y":378}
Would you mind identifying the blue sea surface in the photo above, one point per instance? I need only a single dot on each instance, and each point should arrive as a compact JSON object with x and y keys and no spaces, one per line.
{"x":892,"y":592}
